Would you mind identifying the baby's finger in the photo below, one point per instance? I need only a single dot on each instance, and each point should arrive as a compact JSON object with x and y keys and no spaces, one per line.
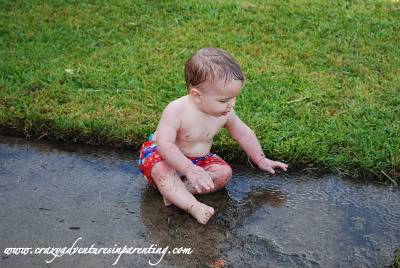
{"x":270,"y":170}
{"x":283,"y":166}
{"x":210,"y":183}
{"x":209,"y":180}
{"x":205,"y":186}
{"x":197,"y":188}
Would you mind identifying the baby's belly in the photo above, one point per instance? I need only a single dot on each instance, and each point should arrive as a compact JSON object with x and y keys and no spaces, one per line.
{"x":196,"y":149}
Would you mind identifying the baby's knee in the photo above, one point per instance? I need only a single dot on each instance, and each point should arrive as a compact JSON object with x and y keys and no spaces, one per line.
{"x":161,"y":170}
{"x":224,"y":175}
{"x":227,"y":174}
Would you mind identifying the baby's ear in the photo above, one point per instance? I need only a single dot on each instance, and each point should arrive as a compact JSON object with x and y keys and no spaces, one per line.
{"x":195,"y":93}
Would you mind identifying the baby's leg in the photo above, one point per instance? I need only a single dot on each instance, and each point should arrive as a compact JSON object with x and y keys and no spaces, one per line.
{"x":220,"y":174}
{"x":172,"y":188}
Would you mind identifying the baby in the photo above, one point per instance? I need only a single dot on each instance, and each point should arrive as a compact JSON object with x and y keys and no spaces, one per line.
{"x":176,"y":159}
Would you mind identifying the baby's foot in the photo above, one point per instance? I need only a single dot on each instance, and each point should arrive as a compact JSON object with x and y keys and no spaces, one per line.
{"x":201,"y":212}
{"x":167,"y":202}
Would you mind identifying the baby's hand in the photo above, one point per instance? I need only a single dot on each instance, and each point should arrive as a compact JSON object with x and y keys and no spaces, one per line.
{"x":200,"y":179}
{"x":269,"y":165}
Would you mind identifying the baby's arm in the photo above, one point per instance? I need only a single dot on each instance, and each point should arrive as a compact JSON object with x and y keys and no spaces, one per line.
{"x":166,"y":137}
{"x":249,"y":143}
{"x":169,"y":151}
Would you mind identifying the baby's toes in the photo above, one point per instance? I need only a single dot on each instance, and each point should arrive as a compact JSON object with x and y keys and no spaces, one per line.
{"x":208,"y":212}
{"x":201,"y":212}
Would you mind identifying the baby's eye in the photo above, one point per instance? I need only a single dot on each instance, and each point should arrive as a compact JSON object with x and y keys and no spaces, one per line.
{"x":223,"y":101}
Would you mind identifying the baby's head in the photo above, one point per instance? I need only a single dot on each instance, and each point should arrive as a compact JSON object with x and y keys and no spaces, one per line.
{"x":213,"y":79}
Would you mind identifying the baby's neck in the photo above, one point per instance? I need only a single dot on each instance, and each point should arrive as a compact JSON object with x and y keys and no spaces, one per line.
{"x":192,"y":104}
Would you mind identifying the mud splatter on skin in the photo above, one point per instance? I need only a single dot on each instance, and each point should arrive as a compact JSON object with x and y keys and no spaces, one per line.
{"x":189,"y":208}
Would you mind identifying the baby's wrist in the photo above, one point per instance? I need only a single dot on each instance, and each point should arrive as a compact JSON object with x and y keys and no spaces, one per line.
{"x":188,"y":168}
{"x":261,"y":159}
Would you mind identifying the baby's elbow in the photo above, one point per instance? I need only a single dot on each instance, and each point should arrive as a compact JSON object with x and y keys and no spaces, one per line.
{"x":245,"y":135}
{"x":161,"y":145}
{"x":244,"y":132}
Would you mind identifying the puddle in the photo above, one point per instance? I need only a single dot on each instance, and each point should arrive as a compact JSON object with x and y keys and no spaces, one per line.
{"x":53,"y":194}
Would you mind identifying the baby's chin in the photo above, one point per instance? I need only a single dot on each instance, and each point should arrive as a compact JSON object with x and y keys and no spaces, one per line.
{"x":222,"y":114}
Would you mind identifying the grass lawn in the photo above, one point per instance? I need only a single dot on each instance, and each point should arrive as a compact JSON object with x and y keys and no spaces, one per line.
{"x":323,"y":77}
{"x":396,"y":262}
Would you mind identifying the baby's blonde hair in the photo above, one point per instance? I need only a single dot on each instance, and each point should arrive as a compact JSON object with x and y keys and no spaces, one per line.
{"x":211,"y":63}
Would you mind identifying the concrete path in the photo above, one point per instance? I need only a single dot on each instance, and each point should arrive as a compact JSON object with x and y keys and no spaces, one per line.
{"x":76,"y":197}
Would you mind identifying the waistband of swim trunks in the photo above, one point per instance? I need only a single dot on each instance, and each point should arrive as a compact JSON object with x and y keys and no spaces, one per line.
{"x":198,"y":158}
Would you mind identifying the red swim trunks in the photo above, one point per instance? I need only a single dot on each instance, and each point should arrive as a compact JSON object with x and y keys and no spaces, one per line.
{"x":149,"y":156}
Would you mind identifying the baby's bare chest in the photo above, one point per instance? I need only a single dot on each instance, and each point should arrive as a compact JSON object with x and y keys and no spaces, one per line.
{"x":199,"y":130}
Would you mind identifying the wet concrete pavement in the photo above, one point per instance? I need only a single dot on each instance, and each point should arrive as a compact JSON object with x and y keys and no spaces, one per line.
{"x":53,"y":195}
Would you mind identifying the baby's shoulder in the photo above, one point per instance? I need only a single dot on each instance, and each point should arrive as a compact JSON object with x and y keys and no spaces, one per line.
{"x":175,"y":106}
{"x":174,"y":109}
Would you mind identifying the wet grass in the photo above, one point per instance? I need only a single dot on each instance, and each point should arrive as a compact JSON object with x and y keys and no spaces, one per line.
{"x":322,"y":77}
{"x":396,"y":261}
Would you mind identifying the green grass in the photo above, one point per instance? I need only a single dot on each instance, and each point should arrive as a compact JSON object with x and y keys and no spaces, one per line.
{"x":323,"y":79}
{"x":396,"y":261}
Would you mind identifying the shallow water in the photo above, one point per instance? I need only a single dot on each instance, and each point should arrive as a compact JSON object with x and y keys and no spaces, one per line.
{"x":53,"y":194}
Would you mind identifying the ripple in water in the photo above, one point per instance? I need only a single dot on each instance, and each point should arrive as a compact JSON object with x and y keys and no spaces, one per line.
{"x":327,"y":221}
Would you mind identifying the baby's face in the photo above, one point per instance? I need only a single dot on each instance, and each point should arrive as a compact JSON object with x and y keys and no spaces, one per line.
{"x":218,"y":97}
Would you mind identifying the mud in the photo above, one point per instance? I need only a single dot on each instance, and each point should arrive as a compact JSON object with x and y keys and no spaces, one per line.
{"x":52,"y":194}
